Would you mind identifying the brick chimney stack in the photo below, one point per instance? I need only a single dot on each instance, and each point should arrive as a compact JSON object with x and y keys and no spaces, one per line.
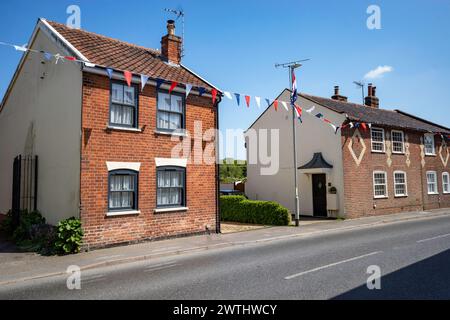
{"x":372,"y":100}
{"x":337,"y":96}
{"x":171,"y":44}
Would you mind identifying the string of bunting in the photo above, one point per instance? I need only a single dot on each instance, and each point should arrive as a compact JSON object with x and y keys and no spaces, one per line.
{"x":201,"y":91}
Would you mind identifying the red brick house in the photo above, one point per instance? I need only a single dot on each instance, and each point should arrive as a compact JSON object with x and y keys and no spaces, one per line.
{"x":394,"y":162}
{"x":105,"y":148}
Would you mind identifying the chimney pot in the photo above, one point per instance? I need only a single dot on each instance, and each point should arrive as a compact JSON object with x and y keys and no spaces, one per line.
{"x":372,"y":100}
{"x":337,"y":96}
{"x":171,"y":27}
{"x":336,"y":90}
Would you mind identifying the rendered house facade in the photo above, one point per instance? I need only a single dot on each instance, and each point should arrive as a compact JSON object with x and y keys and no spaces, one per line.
{"x":105,"y":148}
{"x":399,"y":163}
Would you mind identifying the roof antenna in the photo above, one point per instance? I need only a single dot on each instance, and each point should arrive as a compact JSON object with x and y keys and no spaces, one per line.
{"x":360,"y":84}
{"x":179,"y":13}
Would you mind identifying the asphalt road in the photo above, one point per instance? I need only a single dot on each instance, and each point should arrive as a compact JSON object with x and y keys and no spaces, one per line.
{"x":413,"y":257}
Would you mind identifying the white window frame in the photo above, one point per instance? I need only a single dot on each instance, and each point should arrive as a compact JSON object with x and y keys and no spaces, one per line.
{"x":386,"y":195}
{"x":445,"y":185}
{"x":433,"y":153}
{"x":402,"y":142}
{"x":405,"y":183}
{"x":382,"y":142}
{"x":435,"y":183}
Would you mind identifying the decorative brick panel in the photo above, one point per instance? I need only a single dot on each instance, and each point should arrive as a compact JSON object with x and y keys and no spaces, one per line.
{"x":358,"y":179}
{"x":101,"y":145}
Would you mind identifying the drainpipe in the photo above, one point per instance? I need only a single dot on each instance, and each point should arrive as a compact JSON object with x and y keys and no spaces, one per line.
{"x":217,"y":165}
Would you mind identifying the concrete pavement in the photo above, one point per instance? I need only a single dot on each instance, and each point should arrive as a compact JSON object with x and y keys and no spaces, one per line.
{"x":17,"y":267}
{"x":412,"y":256}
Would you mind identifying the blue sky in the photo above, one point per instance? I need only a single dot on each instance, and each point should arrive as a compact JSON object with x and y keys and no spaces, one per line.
{"x":235,"y":44}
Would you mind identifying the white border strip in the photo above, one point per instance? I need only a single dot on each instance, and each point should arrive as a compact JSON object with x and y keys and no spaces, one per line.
{"x":162,"y":162}
{"x":135,"y":166}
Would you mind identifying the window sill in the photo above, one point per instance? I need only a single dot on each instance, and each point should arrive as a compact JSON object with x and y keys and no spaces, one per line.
{"x":176,"y":209}
{"x":430,"y":154}
{"x":401,"y":196}
{"x":379,"y":198}
{"x":118,"y":128}
{"x":169,"y":133}
{"x":123,"y":213}
{"x":398,"y":153}
{"x":381,"y":152}
{"x":433,"y":193}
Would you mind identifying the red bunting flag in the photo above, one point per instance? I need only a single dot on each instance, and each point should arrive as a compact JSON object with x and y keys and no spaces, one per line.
{"x":275,"y":104}
{"x":214,"y":95}
{"x":128,"y":76}
{"x":326,"y":120}
{"x":247,"y":100}
{"x":363,"y":125}
{"x":174,"y":84}
{"x":70,"y":58}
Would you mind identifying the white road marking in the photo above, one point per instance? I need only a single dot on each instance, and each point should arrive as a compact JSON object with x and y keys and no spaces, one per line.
{"x":434,"y":238}
{"x":156,"y":268}
{"x":331,"y":265}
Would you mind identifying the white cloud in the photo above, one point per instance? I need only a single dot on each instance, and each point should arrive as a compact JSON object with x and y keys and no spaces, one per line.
{"x":378,"y":72}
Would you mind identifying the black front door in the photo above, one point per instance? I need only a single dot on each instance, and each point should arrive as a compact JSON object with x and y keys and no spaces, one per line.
{"x":319,"y":185}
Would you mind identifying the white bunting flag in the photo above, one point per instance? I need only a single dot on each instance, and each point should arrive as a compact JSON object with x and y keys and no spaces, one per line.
{"x":89,"y":65}
{"x":311,"y":109}
{"x":285,"y":105}
{"x":144,"y":80}
{"x":351,"y":124}
{"x":258,"y":101}
{"x":20,"y":48}
{"x":228,"y":95}
{"x":188,"y":89}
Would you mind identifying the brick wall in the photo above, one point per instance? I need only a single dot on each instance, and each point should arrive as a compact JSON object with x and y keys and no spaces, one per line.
{"x":100,"y":145}
{"x":358,"y":179}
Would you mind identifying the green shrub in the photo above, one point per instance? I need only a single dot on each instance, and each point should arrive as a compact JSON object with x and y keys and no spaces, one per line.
{"x":240,"y":209}
{"x":27,"y":220}
{"x":69,"y":236}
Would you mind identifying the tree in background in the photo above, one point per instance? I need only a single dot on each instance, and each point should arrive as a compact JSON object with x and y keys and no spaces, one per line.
{"x":232,"y":170}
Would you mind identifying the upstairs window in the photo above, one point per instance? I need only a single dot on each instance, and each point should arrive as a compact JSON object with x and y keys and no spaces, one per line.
{"x":123,"y":190}
{"x":171,"y":109}
{"x":432,"y":182}
{"x":377,"y":135}
{"x":428,"y":141}
{"x":400,"y":186}
{"x":171,"y":187}
{"x":124,"y":105}
{"x":379,"y":184}
{"x":445,"y":182}
{"x":398,"y":144}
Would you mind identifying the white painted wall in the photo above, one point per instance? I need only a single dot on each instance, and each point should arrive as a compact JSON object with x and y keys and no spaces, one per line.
{"x":313,"y":136}
{"x":43,"y":117}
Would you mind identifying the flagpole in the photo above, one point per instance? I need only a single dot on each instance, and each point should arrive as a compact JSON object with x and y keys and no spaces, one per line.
{"x":292,"y":67}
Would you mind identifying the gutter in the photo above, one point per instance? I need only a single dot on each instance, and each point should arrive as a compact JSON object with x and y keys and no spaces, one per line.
{"x":218,"y":216}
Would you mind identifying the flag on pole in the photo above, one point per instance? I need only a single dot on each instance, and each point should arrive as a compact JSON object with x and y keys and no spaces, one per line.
{"x":144,"y":80}
{"x":298,"y":111}
{"x":247,"y":101}
{"x":128,"y":76}
{"x":110,"y":72}
{"x":258,"y":101}
{"x":188,"y":89}
{"x":238,"y":98}
{"x":214,"y":95}
{"x":172,"y":86}
{"x":294,"y":88}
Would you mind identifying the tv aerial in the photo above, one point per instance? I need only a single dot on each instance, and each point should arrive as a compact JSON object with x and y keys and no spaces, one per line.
{"x":361,"y":85}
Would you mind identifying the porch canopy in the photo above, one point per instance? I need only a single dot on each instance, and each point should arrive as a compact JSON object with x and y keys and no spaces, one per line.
{"x":317,"y":165}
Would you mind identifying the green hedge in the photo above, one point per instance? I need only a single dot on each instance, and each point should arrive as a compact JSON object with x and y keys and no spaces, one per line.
{"x":240,"y":209}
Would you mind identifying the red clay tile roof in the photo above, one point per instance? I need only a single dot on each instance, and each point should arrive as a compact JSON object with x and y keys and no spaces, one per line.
{"x":121,"y":55}
{"x":392,"y":118}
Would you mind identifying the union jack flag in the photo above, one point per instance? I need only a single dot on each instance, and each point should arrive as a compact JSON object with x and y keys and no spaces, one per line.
{"x":294,"y":88}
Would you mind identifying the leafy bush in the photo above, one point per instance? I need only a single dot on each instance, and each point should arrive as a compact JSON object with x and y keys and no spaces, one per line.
{"x":27,"y":220}
{"x":240,"y":209}
{"x":69,"y":236}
